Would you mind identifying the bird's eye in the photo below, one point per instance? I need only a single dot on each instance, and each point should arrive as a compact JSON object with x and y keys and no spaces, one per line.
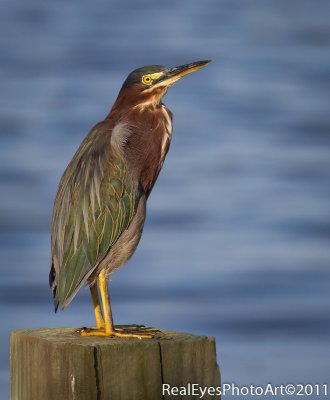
{"x":147,"y":80}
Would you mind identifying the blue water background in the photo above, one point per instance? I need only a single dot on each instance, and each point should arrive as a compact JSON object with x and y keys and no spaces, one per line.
{"x":236,"y":243}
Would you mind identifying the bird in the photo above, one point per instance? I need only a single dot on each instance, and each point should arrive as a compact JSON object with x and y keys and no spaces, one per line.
{"x":100,"y":203}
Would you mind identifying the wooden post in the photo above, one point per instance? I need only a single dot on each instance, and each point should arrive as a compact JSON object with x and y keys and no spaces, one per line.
{"x":53,"y":364}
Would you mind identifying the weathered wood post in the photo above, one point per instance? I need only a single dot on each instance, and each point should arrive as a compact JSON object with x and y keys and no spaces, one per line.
{"x":53,"y":364}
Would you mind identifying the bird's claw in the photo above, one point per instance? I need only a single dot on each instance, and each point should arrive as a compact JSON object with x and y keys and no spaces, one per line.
{"x":136,"y":332}
{"x":136,"y":328}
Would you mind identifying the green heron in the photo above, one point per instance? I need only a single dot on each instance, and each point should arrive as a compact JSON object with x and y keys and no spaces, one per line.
{"x":100,"y":204}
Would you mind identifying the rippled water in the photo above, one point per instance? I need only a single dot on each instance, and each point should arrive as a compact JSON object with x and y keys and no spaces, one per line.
{"x":236,"y":243}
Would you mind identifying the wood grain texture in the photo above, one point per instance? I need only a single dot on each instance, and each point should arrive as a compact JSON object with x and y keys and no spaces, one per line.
{"x":52,"y":364}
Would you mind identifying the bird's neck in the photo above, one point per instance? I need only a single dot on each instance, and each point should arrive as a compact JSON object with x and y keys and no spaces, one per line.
{"x":147,"y":144}
{"x":132,"y":98}
{"x":150,"y":146}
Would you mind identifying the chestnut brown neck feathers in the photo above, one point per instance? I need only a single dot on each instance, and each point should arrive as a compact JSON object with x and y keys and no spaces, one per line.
{"x":146,"y":125}
{"x":134,"y":97}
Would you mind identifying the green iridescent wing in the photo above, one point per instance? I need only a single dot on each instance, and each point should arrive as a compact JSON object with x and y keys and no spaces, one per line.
{"x":95,"y":203}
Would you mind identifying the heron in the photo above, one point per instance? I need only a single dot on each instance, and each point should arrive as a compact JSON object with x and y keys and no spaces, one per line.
{"x":100,"y":204}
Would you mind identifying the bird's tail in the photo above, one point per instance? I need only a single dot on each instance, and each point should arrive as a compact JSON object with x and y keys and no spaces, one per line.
{"x":53,"y":286}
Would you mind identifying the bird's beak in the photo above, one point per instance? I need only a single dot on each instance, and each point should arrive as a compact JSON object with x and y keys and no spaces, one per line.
{"x":174,"y":74}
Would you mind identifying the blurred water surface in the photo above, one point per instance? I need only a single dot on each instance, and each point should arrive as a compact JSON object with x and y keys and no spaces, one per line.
{"x":236,"y":243}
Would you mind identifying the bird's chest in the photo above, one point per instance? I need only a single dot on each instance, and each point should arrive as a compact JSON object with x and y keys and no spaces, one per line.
{"x":152,"y":144}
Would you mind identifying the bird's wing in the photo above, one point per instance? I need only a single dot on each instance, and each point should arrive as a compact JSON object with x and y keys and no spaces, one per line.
{"x":95,"y":203}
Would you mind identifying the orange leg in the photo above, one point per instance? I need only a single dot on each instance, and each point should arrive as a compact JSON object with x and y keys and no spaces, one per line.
{"x":108,"y":328}
{"x":97,"y":307}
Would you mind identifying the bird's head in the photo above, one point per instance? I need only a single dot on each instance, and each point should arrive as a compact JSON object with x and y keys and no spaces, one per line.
{"x":147,"y":85}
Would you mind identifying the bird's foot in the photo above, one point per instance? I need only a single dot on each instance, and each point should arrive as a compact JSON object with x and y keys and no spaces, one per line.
{"x":136,"y":328}
{"x":120,"y":332}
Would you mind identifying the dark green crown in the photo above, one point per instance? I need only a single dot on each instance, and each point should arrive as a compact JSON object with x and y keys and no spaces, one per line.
{"x":136,"y":75}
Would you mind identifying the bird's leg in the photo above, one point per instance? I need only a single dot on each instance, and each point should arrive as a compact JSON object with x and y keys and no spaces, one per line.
{"x":109,"y":329}
{"x":109,"y":326}
{"x":104,"y":290}
{"x":97,"y":307}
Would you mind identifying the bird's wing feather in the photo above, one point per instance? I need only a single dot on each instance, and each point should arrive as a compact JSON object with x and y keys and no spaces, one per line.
{"x":95,"y":202}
